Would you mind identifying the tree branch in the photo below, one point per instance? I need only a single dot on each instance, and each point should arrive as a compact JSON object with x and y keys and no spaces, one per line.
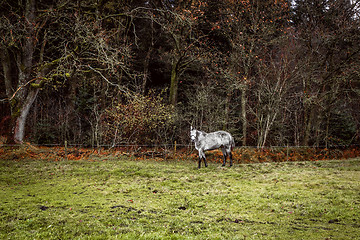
{"x":122,"y":89}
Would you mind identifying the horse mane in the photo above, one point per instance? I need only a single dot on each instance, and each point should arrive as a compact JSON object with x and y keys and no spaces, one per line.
{"x":199,"y":132}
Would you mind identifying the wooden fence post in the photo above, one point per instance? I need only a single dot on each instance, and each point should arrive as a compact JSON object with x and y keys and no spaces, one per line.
{"x":287,"y":152}
{"x":174,"y":150}
{"x":65,"y":148}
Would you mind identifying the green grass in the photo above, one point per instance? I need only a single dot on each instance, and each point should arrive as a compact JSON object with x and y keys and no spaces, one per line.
{"x":124,"y":199}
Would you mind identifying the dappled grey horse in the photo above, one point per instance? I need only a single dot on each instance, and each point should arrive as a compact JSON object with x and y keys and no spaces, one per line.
{"x":210,"y":141}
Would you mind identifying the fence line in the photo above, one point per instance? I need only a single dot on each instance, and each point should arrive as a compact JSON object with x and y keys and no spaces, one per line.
{"x":173,"y":145}
{"x":172,"y":150}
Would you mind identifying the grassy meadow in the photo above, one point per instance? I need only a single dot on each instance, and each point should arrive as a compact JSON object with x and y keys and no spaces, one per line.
{"x":120,"y":198}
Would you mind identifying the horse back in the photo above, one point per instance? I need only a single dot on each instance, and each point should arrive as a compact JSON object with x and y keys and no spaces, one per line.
{"x":218,"y":139}
{"x":224,"y":136}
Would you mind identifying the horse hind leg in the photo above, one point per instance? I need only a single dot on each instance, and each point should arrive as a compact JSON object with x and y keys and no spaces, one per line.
{"x":231,"y":160}
{"x":225,"y":155}
{"x":228,"y":151}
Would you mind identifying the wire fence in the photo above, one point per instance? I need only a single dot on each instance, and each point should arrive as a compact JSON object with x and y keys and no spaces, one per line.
{"x":175,"y":151}
{"x":171,"y":145}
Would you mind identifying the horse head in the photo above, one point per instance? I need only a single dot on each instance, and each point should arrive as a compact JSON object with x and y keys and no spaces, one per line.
{"x":193,"y":133}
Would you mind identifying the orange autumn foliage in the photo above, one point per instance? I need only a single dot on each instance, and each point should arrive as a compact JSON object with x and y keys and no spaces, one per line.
{"x":240,"y":155}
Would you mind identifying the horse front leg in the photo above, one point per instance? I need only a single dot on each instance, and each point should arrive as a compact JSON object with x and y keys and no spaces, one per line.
{"x":202,"y":156}
{"x":199,"y":162}
{"x":205,"y":161}
{"x":231,"y":160}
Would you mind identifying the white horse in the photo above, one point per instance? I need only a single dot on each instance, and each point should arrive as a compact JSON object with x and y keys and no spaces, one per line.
{"x":210,"y":141}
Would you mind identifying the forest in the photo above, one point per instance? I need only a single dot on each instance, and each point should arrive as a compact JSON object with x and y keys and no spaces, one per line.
{"x":140,"y":72}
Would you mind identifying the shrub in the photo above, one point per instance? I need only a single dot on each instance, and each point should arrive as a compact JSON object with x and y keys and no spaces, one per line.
{"x":140,"y":120}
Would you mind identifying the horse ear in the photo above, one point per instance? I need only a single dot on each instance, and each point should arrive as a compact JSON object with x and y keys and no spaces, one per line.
{"x":191,"y":128}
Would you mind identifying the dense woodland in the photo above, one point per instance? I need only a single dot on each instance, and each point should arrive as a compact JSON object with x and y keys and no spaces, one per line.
{"x":114,"y":72}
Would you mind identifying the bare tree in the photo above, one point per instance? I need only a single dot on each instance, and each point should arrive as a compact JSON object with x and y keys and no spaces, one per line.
{"x":49,"y":43}
{"x":20,"y":38}
{"x":326,"y":32}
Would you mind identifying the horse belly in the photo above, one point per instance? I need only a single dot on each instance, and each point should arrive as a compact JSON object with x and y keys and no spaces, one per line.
{"x":212,"y":144}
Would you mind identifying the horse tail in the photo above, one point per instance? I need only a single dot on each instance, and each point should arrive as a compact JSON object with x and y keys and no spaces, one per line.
{"x":232,"y":144}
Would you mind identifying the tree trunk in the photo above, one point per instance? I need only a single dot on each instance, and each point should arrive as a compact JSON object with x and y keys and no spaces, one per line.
{"x":148,"y":58}
{"x":227,"y":111}
{"x":265,"y":131}
{"x":243,"y":115}
{"x":308,"y":125}
{"x":25,"y":96}
{"x":146,"y":69}
{"x":174,"y":84}
{"x":19,"y":130}
{"x":6,"y":64}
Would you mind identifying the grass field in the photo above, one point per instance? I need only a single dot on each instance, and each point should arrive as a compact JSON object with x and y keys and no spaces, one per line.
{"x":119,"y":198}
